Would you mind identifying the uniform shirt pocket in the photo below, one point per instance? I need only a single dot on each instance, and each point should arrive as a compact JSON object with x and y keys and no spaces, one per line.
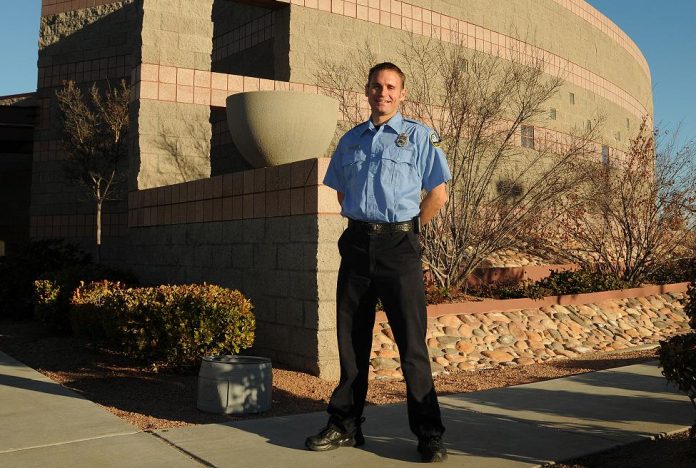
{"x":399,"y":167}
{"x":353,"y":164}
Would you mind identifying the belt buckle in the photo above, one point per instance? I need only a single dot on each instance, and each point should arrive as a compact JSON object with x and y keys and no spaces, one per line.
{"x":375,"y":228}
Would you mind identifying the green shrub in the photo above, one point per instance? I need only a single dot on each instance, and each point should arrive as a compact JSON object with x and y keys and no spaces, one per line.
{"x":19,"y":270}
{"x":678,"y":361}
{"x":556,"y":284}
{"x":90,"y":310}
{"x":673,"y":271}
{"x":175,"y":324}
{"x":690,"y":306}
{"x":575,"y":282}
{"x":678,"y":355}
{"x":53,"y":291}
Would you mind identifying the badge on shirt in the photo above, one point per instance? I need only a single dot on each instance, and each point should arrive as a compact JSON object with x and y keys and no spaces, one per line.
{"x":402,"y":140}
{"x":435,"y":139}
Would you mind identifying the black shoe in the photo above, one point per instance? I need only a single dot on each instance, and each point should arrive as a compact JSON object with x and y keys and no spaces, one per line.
{"x":432,"y":449}
{"x":333,"y":437}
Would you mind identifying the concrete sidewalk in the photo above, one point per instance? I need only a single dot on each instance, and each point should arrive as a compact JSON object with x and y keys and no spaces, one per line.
{"x":43,"y":424}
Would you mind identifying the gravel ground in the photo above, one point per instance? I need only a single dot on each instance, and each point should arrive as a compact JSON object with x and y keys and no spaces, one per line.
{"x":156,"y":400}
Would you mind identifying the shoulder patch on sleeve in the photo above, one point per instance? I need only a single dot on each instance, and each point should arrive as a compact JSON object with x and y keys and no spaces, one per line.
{"x":435,"y":139}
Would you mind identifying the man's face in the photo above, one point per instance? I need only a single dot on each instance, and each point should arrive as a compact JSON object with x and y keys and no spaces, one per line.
{"x":385,"y":92}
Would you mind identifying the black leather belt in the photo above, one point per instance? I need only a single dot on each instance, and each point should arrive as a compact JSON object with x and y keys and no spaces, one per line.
{"x":380,"y":228}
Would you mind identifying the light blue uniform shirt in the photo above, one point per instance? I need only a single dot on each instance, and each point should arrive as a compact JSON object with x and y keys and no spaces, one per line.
{"x":381,"y":171}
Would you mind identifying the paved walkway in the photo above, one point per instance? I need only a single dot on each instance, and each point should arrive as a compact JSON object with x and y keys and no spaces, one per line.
{"x":43,"y":424}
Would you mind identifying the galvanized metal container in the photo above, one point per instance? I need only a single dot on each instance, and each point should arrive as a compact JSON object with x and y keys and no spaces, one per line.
{"x":230,"y":384}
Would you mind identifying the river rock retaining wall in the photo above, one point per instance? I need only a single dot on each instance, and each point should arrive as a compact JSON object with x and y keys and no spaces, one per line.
{"x":486,"y":339}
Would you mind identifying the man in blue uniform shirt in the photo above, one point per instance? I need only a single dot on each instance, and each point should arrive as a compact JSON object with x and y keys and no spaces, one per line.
{"x":379,"y":169}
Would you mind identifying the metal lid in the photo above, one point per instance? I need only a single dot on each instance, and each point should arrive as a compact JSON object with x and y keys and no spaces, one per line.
{"x":234,"y":359}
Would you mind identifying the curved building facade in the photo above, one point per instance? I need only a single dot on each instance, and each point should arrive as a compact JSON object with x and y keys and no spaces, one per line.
{"x":604,"y":71}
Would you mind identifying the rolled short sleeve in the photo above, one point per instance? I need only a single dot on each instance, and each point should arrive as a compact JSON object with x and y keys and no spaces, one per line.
{"x":334,"y":175}
{"x":433,"y":164}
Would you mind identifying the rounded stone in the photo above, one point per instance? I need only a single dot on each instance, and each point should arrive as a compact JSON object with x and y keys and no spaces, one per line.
{"x":517,"y":331}
{"x":384,"y":363}
{"x":442,"y":361}
{"x":549,"y":324}
{"x":465,"y":330}
{"x":388,"y":374}
{"x":521,"y":345}
{"x":447,"y":340}
{"x":455,"y":358}
{"x":388,"y":353}
{"x":466,"y":366}
{"x":449,"y":321}
{"x":524,"y":361}
{"x":465,"y":347}
{"x":506,"y":340}
{"x":498,"y":356}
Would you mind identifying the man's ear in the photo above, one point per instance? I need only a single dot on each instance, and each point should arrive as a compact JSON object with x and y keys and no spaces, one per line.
{"x":367,"y":87}
{"x":402,"y":98}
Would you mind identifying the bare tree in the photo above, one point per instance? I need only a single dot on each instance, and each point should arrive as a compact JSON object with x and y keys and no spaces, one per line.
{"x":506,"y":172}
{"x":638,"y":210}
{"x":94,"y":127}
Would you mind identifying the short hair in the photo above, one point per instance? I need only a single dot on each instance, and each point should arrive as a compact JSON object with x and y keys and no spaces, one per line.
{"x":386,"y":66}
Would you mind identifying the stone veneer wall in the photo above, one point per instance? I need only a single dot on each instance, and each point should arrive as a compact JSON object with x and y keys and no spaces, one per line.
{"x":271,"y":233}
{"x":516,"y":332}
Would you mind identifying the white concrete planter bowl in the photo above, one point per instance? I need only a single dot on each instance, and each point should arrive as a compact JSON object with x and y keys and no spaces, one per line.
{"x":278,"y":127}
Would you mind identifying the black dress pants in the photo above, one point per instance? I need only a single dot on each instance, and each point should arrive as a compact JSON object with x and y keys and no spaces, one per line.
{"x":385,"y":266}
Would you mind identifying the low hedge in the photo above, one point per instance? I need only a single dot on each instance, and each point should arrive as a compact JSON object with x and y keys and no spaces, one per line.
{"x":558,"y":283}
{"x":173,"y":324}
{"x":53,"y":290}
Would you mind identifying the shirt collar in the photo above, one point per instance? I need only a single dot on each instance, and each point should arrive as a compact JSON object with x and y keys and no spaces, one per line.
{"x":396,"y":123}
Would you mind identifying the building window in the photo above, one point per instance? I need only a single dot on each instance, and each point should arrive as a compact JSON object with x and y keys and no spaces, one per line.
{"x":588,"y":125}
{"x":552,"y":114}
{"x":628,"y":124}
{"x":605,"y":155}
{"x":572,"y":98}
{"x":617,"y":135}
{"x":527,"y":136}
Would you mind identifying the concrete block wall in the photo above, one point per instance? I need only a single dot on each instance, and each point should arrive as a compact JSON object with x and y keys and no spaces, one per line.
{"x":271,"y":233}
{"x":171,"y":141}
{"x":243,"y":39}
